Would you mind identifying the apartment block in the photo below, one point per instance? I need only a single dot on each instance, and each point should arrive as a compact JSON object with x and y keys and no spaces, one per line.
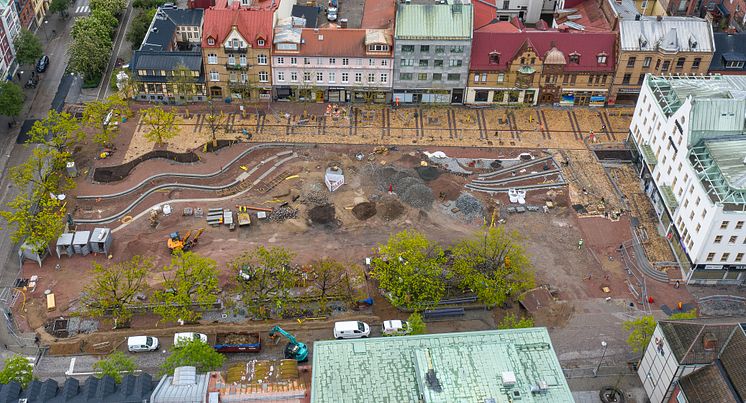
{"x":659,"y":46}
{"x":690,"y":137}
{"x":10,"y":26}
{"x":332,"y":64}
{"x":432,"y":47}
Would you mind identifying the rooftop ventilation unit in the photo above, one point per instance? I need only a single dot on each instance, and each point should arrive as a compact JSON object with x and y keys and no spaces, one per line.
{"x":508,"y":379}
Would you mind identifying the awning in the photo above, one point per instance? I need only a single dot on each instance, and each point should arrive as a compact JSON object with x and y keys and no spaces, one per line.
{"x":669,"y":198}
{"x":648,"y":155}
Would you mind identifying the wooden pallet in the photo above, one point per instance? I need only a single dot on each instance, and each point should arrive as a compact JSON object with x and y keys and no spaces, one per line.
{"x":267,"y":186}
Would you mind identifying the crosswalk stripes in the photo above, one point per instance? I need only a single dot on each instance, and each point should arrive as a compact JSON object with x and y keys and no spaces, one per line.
{"x":82,"y":9}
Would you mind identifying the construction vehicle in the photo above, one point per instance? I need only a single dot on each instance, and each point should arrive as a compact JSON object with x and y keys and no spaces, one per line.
{"x":177,"y":243}
{"x":294,"y":349}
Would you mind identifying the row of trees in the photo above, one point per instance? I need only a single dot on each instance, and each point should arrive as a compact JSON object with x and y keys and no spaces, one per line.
{"x":92,"y":38}
{"x":416,"y":272}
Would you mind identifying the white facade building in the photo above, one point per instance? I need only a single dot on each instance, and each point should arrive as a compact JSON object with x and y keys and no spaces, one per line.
{"x":690,"y":136}
{"x":528,"y":11}
{"x":10,"y":26}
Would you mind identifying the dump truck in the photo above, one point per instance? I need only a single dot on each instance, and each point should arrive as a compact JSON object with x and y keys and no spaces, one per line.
{"x":238,"y":342}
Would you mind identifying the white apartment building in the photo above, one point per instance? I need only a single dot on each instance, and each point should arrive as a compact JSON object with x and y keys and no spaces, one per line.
{"x":690,"y":136}
{"x":528,"y":11}
{"x":10,"y":25}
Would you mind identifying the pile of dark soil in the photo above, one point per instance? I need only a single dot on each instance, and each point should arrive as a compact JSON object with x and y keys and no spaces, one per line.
{"x":390,"y":209}
{"x":364,"y":211}
{"x":323,"y":215}
{"x":428,"y":173}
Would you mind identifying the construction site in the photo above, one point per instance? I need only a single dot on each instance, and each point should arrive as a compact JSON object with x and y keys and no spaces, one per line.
{"x":339,"y":184}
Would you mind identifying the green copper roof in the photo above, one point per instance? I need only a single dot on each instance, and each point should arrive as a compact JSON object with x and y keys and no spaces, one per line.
{"x":468,"y":367}
{"x":433,"y":21}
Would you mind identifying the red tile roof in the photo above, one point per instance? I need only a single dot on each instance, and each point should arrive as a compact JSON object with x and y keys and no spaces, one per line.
{"x":588,"y":45}
{"x":484,"y":13}
{"x":334,"y":42}
{"x":251,"y":24}
{"x":378,"y":14}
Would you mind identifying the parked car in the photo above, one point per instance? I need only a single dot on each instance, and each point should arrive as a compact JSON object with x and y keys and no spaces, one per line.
{"x":351,"y":330}
{"x":42,"y":64}
{"x":185,"y":337}
{"x":331,"y":14}
{"x":395,"y":327}
{"x":136,"y":344}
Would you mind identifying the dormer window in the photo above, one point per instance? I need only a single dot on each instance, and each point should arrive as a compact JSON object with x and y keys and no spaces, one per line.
{"x":260,"y":42}
{"x":643,"y":42}
{"x":235,"y":44}
{"x":210,"y":41}
{"x":601,"y":58}
{"x":494,"y":57}
{"x":378,"y":47}
{"x":575,"y":58}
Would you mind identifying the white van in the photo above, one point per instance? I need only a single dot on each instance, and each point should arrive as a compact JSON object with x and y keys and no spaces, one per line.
{"x":186,"y":337}
{"x":351,"y":330}
{"x":137,"y":344}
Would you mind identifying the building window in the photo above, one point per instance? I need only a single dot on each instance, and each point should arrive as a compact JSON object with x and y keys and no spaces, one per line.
{"x":306,"y":61}
{"x":384,"y":78}
{"x":733,"y":65}
{"x":718,"y":238}
{"x":406,"y":62}
{"x":244,"y":77}
{"x":407,"y":48}
{"x":260,"y":42}
{"x":306,"y":76}
{"x":293,"y":76}
{"x":280,"y":60}
{"x":437,"y":76}
{"x":627,"y":77}
{"x":405,"y":76}
{"x":495,"y":58}
{"x":332,"y":60}
{"x":384,"y":62}
{"x":319,"y":77}
{"x":293,"y":60}
{"x":725,"y":257}
{"x":666,"y":65}
{"x":631,"y":61}
{"x":457,"y":49}
{"x":699,"y":227}
{"x":345,"y":62}
{"x":697,"y":61}
{"x":601,"y":59}
{"x":332,"y":76}
{"x":454,"y":77}
{"x":739,"y":257}
{"x":378,"y":48}
{"x":424,"y":63}
{"x":280,"y":76}
{"x":574,"y":58}
{"x":710,"y":256}
{"x":261,"y":59}
{"x":371,"y":62}
{"x":212,"y":58}
{"x":422,"y":76}
{"x":263,"y":77}
{"x":739,"y":224}
{"x":214,"y":76}
{"x":438,"y":63}
{"x":732,"y":239}
{"x":358,"y":77}
{"x":646,"y":62}
{"x":439,"y":50}
{"x":242,"y":60}
{"x":424,"y":48}
{"x":455,"y":62}
{"x":500,"y":77}
{"x":724,"y":224}
{"x":231,"y":59}
{"x":345,"y":77}
{"x":371,"y":77}
{"x":680,"y":63}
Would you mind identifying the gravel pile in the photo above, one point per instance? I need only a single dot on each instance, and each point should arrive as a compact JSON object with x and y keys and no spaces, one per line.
{"x":469,"y":205}
{"x":418,"y":196}
{"x":315,"y":198}
{"x":405,"y":183}
{"x":283,"y":213}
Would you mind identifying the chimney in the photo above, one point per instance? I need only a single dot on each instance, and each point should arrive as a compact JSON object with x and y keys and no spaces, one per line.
{"x":709,"y":342}
{"x":659,"y":18}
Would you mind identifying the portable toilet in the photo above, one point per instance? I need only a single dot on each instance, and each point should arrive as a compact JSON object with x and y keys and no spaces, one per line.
{"x":80,"y":242}
{"x":28,"y":250}
{"x":65,"y":245}
{"x":100,"y":241}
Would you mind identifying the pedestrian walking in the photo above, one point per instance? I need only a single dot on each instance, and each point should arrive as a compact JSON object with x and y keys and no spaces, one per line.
{"x":580,"y":243}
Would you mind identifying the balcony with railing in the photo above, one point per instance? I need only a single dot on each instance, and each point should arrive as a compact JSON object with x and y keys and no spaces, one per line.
{"x":236,"y":66}
{"x":231,"y":49}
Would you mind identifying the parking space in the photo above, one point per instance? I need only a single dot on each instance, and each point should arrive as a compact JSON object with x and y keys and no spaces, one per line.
{"x":349,"y":10}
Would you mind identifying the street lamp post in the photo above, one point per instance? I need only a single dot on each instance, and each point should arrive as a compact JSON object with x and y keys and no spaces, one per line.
{"x":604,"y":344}
{"x":46,"y":35}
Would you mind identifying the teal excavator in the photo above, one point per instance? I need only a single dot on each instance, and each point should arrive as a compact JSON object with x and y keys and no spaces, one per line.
{"x":294,"y":349}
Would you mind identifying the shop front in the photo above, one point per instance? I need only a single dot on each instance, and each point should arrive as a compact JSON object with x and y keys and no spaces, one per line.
{"x":422,"y":96}
{"x":581,"y":97}
{"x":505,"y":96}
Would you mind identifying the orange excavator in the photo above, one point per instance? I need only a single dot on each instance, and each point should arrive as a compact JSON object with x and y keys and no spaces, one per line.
{"x":177,"y":243}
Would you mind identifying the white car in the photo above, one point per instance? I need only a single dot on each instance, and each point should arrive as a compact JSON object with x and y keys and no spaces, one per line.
{"x":395,"y":327}
{"x":136,"y":344}
{"x":331,"y":14}
{"x":185,"y":337}
{"x":351,"y":330}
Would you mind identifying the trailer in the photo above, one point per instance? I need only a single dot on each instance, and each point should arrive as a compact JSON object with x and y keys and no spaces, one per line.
{"x":238,"y":342}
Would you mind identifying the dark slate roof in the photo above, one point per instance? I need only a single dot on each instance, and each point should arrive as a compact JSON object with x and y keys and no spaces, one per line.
{"x":9,"y":393}
{"x":734,"y":359}
{"x":155,"y":60}
{"x":708,"y":384}
{"x":133,"y":389}
{"x":728,"y":47}
{"x":686,"y":340}
{"x":310,"y":13}
{"x":163,"y":27}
